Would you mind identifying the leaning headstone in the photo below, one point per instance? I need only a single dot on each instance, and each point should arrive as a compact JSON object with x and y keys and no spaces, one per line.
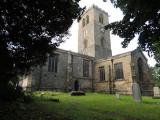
{"x":136,"y":92}
{"x":156,"y":92}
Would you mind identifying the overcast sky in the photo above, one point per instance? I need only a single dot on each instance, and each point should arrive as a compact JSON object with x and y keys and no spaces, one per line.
{"x":114,"y":15}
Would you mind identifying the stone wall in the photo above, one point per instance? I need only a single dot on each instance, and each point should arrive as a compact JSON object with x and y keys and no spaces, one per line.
{"x":102,"y":85}
{"x":86,"y":32}
{"x":77,"y":66}
{"x":70,"y":69}
{"x":93,"y":32}
{"x":145,"y":82}
{"x":102,"y":49}
{"x":124,"y":85}
{"x":42,"y":79}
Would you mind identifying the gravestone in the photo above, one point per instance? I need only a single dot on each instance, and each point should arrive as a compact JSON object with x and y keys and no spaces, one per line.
{"x":156,"y":92}
{"x":118,"y":96}
{"x":136,"y":92}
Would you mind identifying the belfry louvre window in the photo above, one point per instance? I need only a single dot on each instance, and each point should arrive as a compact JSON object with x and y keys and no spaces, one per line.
{"x":118,"y":71}
{"x":101,"y":18}
{"x":85,"y":68}
{"x":87,"y":19}
{"x":101,"y":73}
{"x":83,"y":22}
{"x":53,"y":63}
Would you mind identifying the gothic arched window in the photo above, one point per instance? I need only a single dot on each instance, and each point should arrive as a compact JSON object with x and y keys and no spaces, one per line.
{"x":87,"y":19}
{"x":101,"y":18}
{"x":53,"y":63}
{"x":118,"y":71}
{"x":102,"y":73}
{"x":83,"y":22}
{"x":140,"y":69}
{"x":85,"y":68}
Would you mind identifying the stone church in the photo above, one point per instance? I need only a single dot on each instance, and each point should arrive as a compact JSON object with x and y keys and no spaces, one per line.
{"x":93,"y":68}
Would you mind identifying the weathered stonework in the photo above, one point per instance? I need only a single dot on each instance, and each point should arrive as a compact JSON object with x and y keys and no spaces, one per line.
{"x":97,"y":52}
{"x":130,"y":72}
{"x":123,"y":85}
{"x":93,"y":33}
{"x":145,"y":82}
{"x":70,"y":68}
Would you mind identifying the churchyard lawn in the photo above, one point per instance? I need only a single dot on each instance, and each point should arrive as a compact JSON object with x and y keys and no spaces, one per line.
{"x":93,"y":106}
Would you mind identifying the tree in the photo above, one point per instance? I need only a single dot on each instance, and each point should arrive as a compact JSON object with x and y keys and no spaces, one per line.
{"x":141,"y":18}
{"x":29,"y":29}
{"x":156,"y":75}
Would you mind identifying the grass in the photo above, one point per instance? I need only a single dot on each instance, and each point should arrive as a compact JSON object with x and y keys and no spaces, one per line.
{"x":93,"y":106}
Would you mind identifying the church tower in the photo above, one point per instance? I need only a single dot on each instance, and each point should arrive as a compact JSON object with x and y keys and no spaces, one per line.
{"x":93,"y":40}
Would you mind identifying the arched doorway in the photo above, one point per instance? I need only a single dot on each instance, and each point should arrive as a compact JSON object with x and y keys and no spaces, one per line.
{"x":140,"y":74}
{"x":140,"y":69}
{"x":76,"y":85}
